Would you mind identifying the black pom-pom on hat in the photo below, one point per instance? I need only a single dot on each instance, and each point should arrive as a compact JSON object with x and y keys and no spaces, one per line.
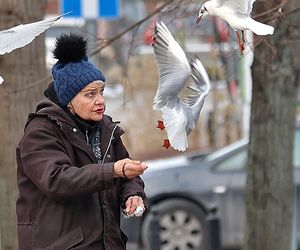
{"x":70,"y":48}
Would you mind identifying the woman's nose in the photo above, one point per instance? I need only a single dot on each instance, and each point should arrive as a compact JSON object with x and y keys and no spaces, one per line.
{"x":99,"y":99}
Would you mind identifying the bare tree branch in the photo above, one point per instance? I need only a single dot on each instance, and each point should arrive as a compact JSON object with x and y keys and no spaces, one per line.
{"x":104,"y":42}
{"x":290,"y":41}
{"x":97,"y":50}
{"x":108,"y":42}
{"x":270,"y":11}
{"x":293,"y":11}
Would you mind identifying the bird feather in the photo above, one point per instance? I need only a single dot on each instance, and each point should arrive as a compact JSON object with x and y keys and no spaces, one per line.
{"x":237,"y":6}
{"x":23,"y":34}
{"x":176,"y":131}
{"x":173,"y":66}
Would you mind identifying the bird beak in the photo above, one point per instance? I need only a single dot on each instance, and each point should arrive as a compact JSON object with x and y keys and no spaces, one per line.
{"x":199,"y":19}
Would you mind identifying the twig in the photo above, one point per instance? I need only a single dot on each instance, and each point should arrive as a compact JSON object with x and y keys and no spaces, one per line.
{"x":97,"y":50}
{"x":32,"y":85}
{"x":110,"y":41}
{"x":293,"y":11}
{"x":290,"y":41}
{"x":272,"y":48}
{"x":271,"y":10}
{"x":126,"y":78}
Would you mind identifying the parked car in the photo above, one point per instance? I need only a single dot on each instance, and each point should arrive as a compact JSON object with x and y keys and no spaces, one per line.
{"x":184,"y":188}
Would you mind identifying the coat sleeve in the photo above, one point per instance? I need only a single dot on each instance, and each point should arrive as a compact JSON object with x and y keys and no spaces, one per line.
{"x":129,"y":187}
{"x":44,"y":160}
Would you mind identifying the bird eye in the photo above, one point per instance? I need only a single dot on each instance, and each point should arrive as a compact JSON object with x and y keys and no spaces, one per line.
{"x":205,"y":9}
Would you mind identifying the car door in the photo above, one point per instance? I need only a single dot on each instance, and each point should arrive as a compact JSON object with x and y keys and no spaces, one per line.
{"x":232,"y":200}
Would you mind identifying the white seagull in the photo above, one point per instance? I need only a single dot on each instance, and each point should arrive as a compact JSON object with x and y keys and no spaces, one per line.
{"x":237,"y":14}
{"x":23,"y":34}
{"x":179,"y":116}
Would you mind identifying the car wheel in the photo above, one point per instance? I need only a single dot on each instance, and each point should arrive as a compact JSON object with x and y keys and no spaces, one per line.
{"x":182,"y":225}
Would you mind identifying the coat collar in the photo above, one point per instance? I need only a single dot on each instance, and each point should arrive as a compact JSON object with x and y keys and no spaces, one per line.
{"x":56,"y":113}
{"x":109,"y":130}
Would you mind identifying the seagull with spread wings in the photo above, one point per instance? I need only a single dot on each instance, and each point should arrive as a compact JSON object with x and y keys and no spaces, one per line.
{"x":179,"y":116}
{"x":23,"y":34}
{"x":237,"y":14}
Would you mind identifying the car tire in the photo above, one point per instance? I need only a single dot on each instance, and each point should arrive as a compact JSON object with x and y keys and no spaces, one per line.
{"x":182,"y":225}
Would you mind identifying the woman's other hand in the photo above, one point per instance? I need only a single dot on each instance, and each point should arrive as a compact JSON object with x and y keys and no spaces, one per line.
{"x":134,"y":206}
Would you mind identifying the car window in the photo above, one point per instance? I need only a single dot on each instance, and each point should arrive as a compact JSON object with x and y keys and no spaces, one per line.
{"x":297,"y":149}
{"x":236,"y":162}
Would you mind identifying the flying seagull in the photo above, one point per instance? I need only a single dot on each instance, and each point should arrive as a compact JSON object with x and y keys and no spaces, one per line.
{"x":237,"y":14}
{"x":23,"y":34}
{"x":179,"y":116}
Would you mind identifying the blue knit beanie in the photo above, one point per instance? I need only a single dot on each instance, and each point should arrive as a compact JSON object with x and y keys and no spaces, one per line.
{"x":73,"y":71}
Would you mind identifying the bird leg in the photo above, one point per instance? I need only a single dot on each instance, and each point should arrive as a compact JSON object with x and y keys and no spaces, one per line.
{"x":243,"y":40}
{"x":241,"y":43}
{"x":166,"y":144}
{"x":160,"y":125}
{"x":243,"y":36}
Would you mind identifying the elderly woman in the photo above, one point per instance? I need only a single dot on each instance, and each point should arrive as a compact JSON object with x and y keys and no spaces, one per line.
{"x":74,"y":173}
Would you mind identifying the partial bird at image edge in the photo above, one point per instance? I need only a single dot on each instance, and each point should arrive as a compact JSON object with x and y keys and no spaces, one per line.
{"x":23,"y":34}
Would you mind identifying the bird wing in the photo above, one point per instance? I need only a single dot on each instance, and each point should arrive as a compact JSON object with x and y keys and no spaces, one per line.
{"x":250,"y":5}
{"x":23,"y":34}
{"x":236,"y":6}
{"x":175,"y":121}
{"x":1,"y":80}
{"x":172,"y":63}
{"x":200,"y":90}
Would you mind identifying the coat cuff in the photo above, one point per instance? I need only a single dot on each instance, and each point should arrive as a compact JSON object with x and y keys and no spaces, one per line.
{"x":108,"y":175}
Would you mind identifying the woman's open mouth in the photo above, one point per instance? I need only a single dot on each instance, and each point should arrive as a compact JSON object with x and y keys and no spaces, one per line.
{"x":99,"y":111}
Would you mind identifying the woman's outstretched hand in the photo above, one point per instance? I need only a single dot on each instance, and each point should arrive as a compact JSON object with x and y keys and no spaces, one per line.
{"x":128,"y":168}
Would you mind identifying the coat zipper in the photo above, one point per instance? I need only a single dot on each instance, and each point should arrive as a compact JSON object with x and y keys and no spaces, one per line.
{"x":87,"y":137}
{"x":100,"y":196}
{"x":110,"y":140}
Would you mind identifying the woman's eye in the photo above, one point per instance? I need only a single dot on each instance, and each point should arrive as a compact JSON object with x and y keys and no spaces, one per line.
{"x":90,"y":94}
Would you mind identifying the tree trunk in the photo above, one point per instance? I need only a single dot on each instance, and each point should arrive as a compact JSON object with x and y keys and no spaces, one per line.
{"x":270,"y":181}
{"x":19,"y":68}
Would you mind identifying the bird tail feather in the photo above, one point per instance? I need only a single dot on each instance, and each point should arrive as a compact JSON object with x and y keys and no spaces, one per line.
{"x":158,"y":104}
{"x":260,"y":28}
{"x":175,"y":128}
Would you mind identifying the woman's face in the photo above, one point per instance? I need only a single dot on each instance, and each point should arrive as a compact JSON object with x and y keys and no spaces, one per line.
{"x":89,"y":103}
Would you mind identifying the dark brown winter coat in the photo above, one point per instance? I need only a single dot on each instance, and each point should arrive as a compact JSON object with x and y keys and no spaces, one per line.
{"x":66,"y":199}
